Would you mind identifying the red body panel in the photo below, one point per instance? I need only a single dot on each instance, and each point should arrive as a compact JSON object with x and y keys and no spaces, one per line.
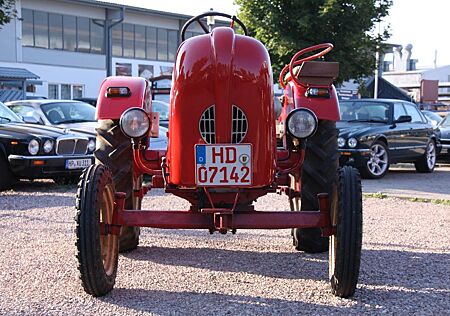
{"x":112,"y":108}
{"x":324,"y":108}
{"x":221,"y":69}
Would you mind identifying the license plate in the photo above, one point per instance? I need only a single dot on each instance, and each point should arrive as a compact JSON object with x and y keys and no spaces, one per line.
{"x":78,"y":163}
{"x":223,"y":165}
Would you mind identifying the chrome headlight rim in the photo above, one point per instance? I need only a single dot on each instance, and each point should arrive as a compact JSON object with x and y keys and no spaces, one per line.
{"x":341,"y":142}
{"x":33,"y":147}
{"x":352,"y":142}
{"x":48,"y":146}
{"x":91,"y":145}
{"x":143,"y":128}
{"x":295,"y":112}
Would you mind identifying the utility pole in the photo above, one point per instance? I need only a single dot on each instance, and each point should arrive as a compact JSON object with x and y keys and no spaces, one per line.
{"x":375,"y":83}
{"x":112,"y":18}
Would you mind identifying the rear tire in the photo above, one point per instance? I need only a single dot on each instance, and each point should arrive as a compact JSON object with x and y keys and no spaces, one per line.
{"x":345,"y":244}
{"x":318,"y":174}
{"x":114,"y":151}
{"x":427,"y":162}
{"x":97,"y":254}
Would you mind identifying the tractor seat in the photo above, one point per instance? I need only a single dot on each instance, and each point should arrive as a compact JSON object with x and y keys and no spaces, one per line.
{"x":320,"y":73}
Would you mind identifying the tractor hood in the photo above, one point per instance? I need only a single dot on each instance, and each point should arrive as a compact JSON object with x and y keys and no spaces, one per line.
{"x":219,"y":79}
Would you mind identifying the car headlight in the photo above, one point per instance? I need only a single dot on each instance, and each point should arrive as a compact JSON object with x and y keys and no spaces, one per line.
{"x":33,"y":147}
{"x":301,"y":123}
{"x":352,"y":142}
{"x":341,"y":142}
{"x":134,"y":123}
{"x":91,"y":145}
{"x":48,"y":146}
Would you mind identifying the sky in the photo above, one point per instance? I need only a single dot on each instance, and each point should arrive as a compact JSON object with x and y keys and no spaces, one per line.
{"x":424,"y":24}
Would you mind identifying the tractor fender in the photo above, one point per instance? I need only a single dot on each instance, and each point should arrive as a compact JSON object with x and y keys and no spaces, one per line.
{"x":112,"y":107}
{"x":324,"y":108}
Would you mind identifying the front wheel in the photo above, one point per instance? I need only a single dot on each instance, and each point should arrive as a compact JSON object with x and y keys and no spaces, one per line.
{"x":345,"y":244}
{"x":97,"y":251}
{"x":427,"y":162}
{"x":378,"y":164}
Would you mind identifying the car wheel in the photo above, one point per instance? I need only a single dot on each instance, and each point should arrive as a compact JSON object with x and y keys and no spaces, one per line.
{"x":378,"y":163}
{"x":427,"y":162}
{"x":114,"y":151}
{"x":6,"y":178}
{"x":317,"y":176}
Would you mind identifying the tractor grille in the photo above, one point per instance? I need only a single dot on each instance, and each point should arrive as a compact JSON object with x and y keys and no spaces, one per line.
{"x":240,"y":125}
{"x":207,"y":125}
{"x":66,"y":145}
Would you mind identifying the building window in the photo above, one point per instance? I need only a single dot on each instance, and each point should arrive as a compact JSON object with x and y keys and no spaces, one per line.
{"x":27,"y":28}
{"x":77,"y":91}
{"x":65,"y":92}
{"x":55,"y":23}
{"x":70,"y":32}
{"x":162,"y":44}
{"x":123,"y":69}
{"x":150,"y":43}
{"x":56,"y":31}
{"x":53,"y":91}
{"x":128,"y":40}
{"x":83,"y":34}
{"x":117,"y":40}
{"x":40,"y":29}
{"x":172,"y":44}
{"x":96,"y":38}
{"x":139,"y":41}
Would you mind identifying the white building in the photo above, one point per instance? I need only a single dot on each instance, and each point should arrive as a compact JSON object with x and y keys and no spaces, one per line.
{"x":63,"y":43}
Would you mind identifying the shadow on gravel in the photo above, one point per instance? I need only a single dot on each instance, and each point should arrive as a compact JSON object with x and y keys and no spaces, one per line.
{"x":416,"y":271}
{"x":194,"y":303}
{"x":271,"y":264}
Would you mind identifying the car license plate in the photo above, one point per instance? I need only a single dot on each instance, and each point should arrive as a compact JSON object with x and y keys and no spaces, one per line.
{"x":223,"y":165}
{"x":78,"y":163}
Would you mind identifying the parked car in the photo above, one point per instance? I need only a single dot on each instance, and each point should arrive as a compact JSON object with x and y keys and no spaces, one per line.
{"x":444,"y":127}
{"x":375,"y":133}
{"x":163,"y":109}
{"x":30,"y":151}
{"x":76,"y":116}
{"x":91,"y":101}
{"x":432,"y":117}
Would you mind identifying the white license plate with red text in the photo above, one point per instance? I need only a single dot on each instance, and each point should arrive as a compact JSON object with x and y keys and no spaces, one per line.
{"x":223,"y":165}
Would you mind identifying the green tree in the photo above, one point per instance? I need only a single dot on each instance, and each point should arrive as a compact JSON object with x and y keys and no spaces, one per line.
{"x":286,"y":26}
{"x":7,"y":11}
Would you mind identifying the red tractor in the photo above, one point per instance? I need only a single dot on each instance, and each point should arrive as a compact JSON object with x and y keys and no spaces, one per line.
{"x":222,"y":155}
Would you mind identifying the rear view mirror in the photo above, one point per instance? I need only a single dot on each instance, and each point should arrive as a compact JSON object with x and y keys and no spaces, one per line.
{"x":403,"y":119}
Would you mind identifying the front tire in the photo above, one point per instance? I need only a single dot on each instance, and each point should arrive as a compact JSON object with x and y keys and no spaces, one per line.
{"x":317,"y":176}
{"x":427,"y":162}
{"x":114,"y":151}
{"x":97,"y":253}
{"x":345,"y":244}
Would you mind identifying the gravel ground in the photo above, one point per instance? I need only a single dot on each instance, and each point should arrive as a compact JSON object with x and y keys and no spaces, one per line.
{"x":405,"y":264}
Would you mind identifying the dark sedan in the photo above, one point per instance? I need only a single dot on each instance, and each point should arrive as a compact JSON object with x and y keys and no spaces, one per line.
{"x":30,"y":151}
{"x":374,"y":133}
{"x":444,"y":128}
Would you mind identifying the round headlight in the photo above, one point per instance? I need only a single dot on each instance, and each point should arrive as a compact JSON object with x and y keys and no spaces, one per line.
{"x":33,"y":147}
{"x":91,"y":145}
{"x":352,"y":142}
{"x":48,"y":146}
{"x":301,"y":123}
{"x":134,"y":123}
{"x":341,"y":142}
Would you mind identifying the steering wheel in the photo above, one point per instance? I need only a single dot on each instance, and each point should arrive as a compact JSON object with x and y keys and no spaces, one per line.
{"x":197,"y":19}
{"x":325,"y":48}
